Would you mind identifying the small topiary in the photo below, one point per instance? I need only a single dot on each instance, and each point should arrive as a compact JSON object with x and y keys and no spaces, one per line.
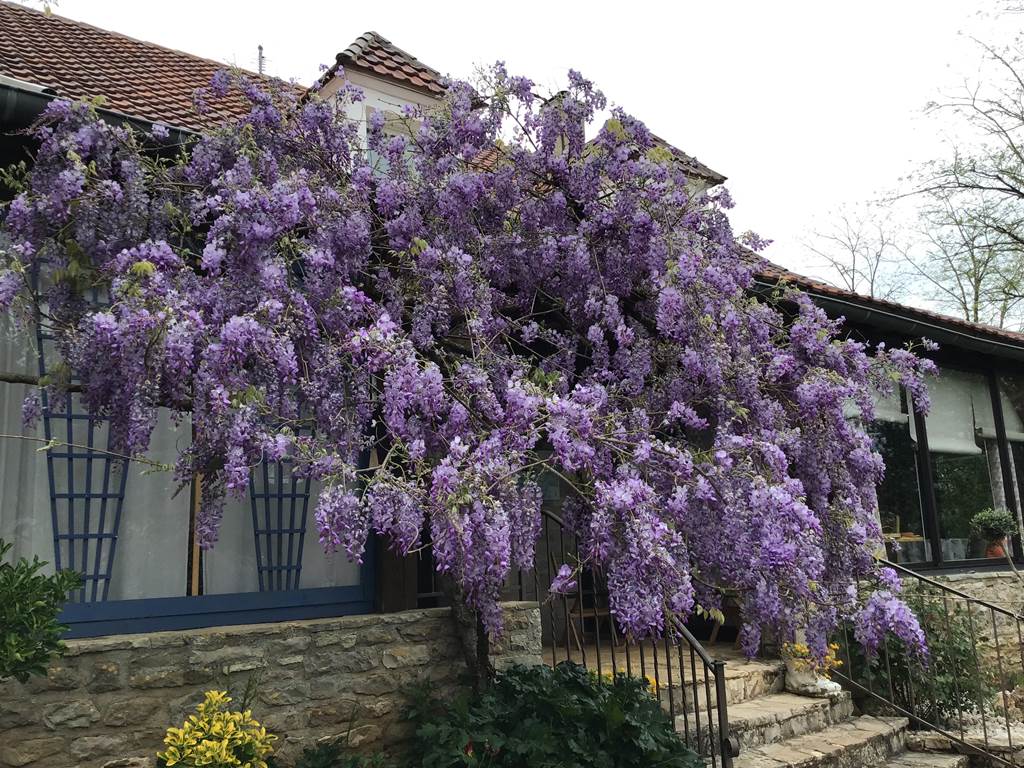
{"x":993,"y":524}
{"x":30,"y":601}
{"x":539,"y":716}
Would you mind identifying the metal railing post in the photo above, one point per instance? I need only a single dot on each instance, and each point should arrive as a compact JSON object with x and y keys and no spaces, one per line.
{"x":727,"y":747}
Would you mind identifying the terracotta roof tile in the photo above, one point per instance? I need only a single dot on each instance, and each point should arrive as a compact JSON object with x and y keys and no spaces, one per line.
{"x":689,"y":164}
{"x":371,"y":52}
{"x":135,"y":77}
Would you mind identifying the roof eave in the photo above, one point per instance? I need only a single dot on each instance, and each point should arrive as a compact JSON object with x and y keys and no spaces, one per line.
{"x":908,"y":323}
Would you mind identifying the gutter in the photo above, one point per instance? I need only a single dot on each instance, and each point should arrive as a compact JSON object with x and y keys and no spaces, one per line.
{"x":22,"y":102}
{"x":885,"y":319}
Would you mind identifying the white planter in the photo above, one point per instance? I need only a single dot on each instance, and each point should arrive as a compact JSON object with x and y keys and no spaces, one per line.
{"x":806,"y":682}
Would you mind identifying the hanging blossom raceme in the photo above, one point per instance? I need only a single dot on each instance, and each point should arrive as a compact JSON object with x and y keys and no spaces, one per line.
{"x":430,"y":323}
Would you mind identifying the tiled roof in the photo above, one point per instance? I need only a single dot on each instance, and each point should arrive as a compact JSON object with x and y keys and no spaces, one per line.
{"x":691,"y":165}
{"x":81,"y":61}
{"x":771,"y":272}
{"x":376,"y":55}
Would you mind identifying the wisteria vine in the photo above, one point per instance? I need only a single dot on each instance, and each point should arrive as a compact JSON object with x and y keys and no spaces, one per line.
{"x":429,"y":312}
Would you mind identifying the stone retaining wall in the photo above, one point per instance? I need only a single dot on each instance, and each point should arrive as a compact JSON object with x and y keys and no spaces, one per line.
{"x":1004,"y":590}
{"x":114,"y":697}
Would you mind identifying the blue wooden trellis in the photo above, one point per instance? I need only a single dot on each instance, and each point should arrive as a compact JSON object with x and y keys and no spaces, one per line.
{"x":280,"y":505}
{"x":87,"y":486}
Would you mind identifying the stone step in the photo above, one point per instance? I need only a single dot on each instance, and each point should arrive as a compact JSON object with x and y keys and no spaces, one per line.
{"x":776,"y":717}
{"x":744,"y":680}
{"x":927,"y":760}
{"x":1005,"y":746}
{"x":860,"y":741}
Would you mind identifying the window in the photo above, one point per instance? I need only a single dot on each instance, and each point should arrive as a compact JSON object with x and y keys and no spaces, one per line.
{"x":127,"y":530}
{"x":964,"y":467}
{"x":964,"y":453}
{"x":899,"y":496}
{"x":1011,"y":398}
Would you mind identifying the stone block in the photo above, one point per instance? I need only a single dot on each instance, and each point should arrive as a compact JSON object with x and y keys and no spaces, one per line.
{"x":70,"y":714}
{"x":26,"y":751}
{"x":399,"y":656}
{"x":374,"y":684}
{"x":134,"y":711}
{"x":425,"y":630}
{"x":280,"y":692}
{"x":17,"y":712}
{"x":331,"y":714}
{"x":355,"y":737}
{"x":131,"y":762}
{"x":91,"y":747}
{"x":355,"y":660}
{"x":288,"y":647}
{"x":377,"y":635}
{"x":105,"y":676}
{"x":63,"y":677}
{"x":343,"y":638}
{"x":157,"y":677}
{"x":228,"y":659}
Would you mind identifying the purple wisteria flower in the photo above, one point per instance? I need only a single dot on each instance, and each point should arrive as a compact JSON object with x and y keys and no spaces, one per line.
{"x":435,"y":320}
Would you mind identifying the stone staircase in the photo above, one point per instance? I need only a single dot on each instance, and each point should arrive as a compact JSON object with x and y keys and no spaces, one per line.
{"x":776,"y":729}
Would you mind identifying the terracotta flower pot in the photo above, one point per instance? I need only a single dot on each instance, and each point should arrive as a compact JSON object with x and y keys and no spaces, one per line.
{"x":996,"y":548}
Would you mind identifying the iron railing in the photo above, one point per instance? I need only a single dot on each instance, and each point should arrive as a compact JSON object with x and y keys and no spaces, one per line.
{"x":579,"y":627}
{"x":963,"y":690}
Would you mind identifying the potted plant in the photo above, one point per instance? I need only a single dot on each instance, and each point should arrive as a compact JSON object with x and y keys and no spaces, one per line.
{"x":993,"y":526}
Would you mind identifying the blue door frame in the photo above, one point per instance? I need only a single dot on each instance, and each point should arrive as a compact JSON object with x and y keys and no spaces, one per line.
{"x":117,"y":617}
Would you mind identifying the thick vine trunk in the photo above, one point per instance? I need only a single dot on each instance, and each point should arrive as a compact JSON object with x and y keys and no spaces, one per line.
{"x":476,"y":645}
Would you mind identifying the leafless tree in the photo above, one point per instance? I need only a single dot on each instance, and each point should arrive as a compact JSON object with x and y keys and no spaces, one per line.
{"x":862,"y":251}
{"x":972,"y":202}
{"x":968,"y":267}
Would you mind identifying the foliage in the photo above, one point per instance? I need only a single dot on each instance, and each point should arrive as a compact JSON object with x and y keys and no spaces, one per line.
{"x":993,"y":524}
{"x":954,"y":678}
{"x":29,"y":603}
{"x":498,"y":298}
{"x":217,"y":737}
{"x":539,"y":716}
{"x":332,"y":754}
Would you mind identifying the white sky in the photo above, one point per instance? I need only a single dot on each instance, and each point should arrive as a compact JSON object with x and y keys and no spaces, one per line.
{"x":803,"y":105}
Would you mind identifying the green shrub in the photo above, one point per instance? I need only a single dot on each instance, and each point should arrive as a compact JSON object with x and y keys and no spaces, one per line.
{"x":993,"y":524}
{"x":29,"y":604}
{"x":955,"y":678}
{"x":332,"y":755}
{"x":543,"y":718}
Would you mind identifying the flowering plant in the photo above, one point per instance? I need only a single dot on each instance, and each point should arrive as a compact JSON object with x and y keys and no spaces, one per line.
{"x":804,"y":659}
{"x":217,"y":737}
{"x":477,"y":299}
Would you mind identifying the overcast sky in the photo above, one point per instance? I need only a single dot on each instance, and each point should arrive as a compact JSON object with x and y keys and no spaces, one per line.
{"x":803,"y":105}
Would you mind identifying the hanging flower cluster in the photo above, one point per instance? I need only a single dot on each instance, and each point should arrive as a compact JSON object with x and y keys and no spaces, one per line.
{"x":429,"y":311}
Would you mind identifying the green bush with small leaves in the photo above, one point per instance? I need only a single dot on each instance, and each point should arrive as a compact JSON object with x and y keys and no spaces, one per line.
{"x":993,"y":524}
{"x":30,"y":601}
{"x":566,"y":717}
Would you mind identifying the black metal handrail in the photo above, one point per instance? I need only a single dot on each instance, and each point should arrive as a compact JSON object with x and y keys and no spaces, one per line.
{"x":580,"y":627}
{"x":954,"y":693}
